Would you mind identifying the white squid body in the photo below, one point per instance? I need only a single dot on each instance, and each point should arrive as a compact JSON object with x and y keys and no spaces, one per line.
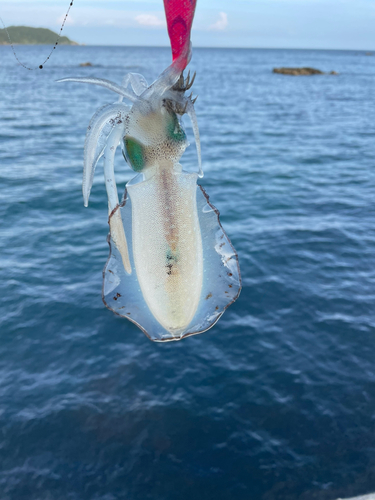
{"x":186,"y":270}
{"x":167,"y":247}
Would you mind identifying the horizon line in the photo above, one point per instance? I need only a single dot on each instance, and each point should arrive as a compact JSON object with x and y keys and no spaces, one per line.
{"x":76,"y":44}
{"x":225,"y":48}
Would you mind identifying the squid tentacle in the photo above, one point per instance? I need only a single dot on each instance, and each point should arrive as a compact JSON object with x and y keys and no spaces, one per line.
{"x":137,"y":81}
{"x":102,"y":82}
{"x":193,"y":118}
{"x":115,"y":221}
{"x":101,"y":125}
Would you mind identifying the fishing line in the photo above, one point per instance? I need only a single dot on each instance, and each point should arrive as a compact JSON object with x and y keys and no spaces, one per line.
{"x":53,"y":48}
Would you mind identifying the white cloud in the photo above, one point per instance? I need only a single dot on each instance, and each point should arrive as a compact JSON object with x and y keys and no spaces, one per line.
{"x":221,"y":23}
{"x":149,"y":20}
{"x":69,"y":21}
{"x":52,"y":16}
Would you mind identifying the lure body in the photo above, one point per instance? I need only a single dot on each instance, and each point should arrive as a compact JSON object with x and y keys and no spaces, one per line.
{"x":172,"y":270}
{"x":179,"y":15}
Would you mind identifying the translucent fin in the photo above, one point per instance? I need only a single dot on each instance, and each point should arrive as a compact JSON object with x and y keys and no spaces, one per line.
{"x":221,"y":281}
{"x":102,"y":82}
{"x":101,"y":125}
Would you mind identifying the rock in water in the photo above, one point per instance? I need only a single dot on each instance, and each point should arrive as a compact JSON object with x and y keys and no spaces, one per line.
{"x":298,"y":71}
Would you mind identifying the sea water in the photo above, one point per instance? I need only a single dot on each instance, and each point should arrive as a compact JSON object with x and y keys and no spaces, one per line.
{"x":277,"y":401}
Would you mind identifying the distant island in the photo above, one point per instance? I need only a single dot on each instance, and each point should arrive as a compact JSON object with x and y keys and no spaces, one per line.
{"x":24,"y":35}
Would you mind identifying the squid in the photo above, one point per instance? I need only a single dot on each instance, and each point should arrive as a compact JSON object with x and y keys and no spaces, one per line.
{"x":172,"y":269}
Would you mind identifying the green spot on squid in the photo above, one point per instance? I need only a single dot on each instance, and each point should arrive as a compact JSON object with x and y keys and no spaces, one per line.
{"x":174,"y":129}
{"x":135,"y":153}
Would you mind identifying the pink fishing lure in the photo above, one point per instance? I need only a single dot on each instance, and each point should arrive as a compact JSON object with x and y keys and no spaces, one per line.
{"x":180,"y":15}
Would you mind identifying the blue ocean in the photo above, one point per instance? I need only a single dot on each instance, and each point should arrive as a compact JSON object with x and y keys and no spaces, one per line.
{"x":277,"y":400}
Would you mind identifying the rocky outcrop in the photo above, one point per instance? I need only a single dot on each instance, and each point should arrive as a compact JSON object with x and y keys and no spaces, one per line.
{"x":301,"y":71}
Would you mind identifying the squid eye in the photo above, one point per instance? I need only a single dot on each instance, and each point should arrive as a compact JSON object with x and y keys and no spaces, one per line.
{"x":135,"y":153}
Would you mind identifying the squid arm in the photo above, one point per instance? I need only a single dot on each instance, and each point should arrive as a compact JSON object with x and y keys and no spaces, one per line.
{"x":115,"y":221}
{"x":102,"y":82}
{"x":193,"y":118}
{"x":137,"y":81}
{"x":101,"y":125}
{"x":165,"y":81}
{"x":104,"y":134}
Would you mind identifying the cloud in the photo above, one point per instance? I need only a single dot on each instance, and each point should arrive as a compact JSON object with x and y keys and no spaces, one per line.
{"x":69,"y":21}
{"x":221,"y":23}
{"x":149,"y":20}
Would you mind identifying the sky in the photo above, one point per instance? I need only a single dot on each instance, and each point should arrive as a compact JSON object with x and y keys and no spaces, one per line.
{"x":301,"y":24}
